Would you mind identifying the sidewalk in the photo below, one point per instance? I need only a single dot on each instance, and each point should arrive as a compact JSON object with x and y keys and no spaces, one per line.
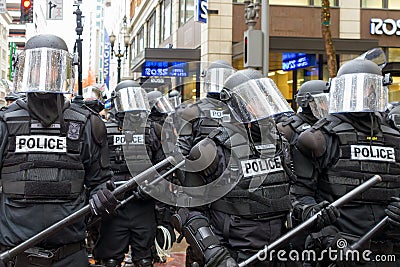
{"x":178,"y":254}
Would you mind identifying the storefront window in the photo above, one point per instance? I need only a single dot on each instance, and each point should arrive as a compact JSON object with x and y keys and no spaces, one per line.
{"x":394,"y":90}
{"x":371,"y":3}
{"x":393,"y":55}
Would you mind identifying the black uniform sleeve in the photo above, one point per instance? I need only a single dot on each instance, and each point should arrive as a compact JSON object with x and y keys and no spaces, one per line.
{"x":307,"y":152}
{"x":95,"y":155}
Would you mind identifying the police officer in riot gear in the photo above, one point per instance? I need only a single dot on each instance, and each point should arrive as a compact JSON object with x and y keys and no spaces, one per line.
{"x":342,"y":150}
{"x":311,"y":109}
{"x":53,"y":154}
{"x":129,"y":137}
{"x":203,"y":117}
{"x":251,"y":153}
{"x":161,"y":126}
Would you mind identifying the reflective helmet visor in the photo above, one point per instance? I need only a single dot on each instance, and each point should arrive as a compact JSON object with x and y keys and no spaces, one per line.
{"x":215,"y":79}
{"x":319,"y":105}
{"x":358,"y":92}
{"x":131,"y":99}
{"x":44,"y":70}
{"x":175,"y":101}
{"x":256,"y":100}
{"x":163,"y":105}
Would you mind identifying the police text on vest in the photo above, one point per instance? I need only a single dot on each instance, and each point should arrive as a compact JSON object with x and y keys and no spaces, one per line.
{"x":40,"y":143}
{"x":121,"y":139}
{"x":255,"y":167}
{"x":373,"y":153}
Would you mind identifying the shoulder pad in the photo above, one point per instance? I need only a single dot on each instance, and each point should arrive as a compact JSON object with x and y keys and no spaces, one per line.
{"x":99,"y":131}
{"x":312,"y":142}
{"x":190,"y":113}
{"x":285,"y":130}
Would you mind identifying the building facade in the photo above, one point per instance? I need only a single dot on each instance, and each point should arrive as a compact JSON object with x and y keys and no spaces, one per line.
{"x":165,"y":34}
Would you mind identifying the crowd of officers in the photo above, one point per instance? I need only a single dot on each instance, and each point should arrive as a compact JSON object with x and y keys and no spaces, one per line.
{"x":258,"y":169}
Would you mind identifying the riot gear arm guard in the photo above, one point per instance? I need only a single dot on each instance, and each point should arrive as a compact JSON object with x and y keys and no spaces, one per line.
{"x":196,"y":229}
{"x":393,"y":211}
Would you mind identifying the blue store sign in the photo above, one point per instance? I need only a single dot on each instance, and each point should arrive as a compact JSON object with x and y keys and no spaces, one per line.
{"x":293,"y":61}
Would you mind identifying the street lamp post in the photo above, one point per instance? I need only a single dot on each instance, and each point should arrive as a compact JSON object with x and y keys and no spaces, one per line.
{"x":120,"y":54}
{"x":78,"y":46}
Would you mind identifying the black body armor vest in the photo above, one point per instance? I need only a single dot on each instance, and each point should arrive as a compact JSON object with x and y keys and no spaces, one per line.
{"x":128,"y":148}
{"x":212,"y":113}
{"x":361,"y":156}
{"x":43,"y":164}
{"x":263,"y":189}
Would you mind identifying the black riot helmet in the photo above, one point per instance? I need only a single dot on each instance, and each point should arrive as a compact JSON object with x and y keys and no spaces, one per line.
{"x":309,"y":89}
{"x":216,"y":75}
{"x":44,"y":66}
{"x":358,"y":87}
{"x":159,"y":103}
{"x":175,"y":98}
{"x":313,"y":98}
{"x":251,"y":97}
{"x":129,"y":96}
{"x":394,"y":117}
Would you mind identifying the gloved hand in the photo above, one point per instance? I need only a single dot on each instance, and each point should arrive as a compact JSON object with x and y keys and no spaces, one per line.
{"x":221,"y":258}
{"x":328,"y":237}
{"x":142,"y":192}
{"x":327,"y":217}
{"x":393,"y":211}
{"x":103,"y":202}
{"x":2,"y":264}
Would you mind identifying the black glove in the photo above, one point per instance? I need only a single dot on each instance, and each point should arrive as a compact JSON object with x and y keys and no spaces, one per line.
{"x":327,"y":237}
{"x":393,"y":211}
{"x":142,"y":192}
{"x":327,"y":217}
{"x":103,"y":202}
{"x":221,"y":258}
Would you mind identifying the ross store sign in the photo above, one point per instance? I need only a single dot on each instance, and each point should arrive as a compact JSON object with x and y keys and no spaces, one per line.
{"x":293,"y":61}
{"x":201,"y":11}
{"x":387,"y":26}
{"x":164,"y":68}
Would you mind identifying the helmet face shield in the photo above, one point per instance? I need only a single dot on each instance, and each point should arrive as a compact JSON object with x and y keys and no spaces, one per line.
{"x":175,"y":101}
{"x":163,"y":105}
{"x":319,"y":105}
{"x":361,"y":92}
{"x":256,"y":100}
{"x":131,"y":99}
{"x":215,"y":79}
{"x":44,"y":70}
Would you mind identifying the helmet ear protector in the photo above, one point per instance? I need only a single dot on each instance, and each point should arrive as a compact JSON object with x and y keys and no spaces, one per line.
{"x":387,"y":79}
